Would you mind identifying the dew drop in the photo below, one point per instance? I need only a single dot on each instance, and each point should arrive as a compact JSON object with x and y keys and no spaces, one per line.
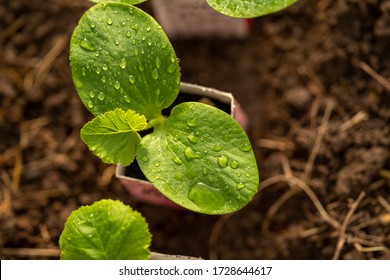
{"x":190,"y":154}
{"x":192,"y":138}
{"x":132,"y":79}
{"x":105,"y":67}
{"x":134,"y":26}
{"x":93,"y":25}
{"x":122,"y":63}
{"x":222,"y":161}
{"x":145,"y":159}
{"x":91,"y":94}
{"x":246,"y":148}
{"x":158,"y":62}
{"x":101,"y":96}
{"x":116,"y":42}
{"x":127,"y":99}
{"x":217,"y":148}
{"x":247,"y":175}
{"x":128,"y":34}
{"x":177,"y":160}
{"x":148,"y":29}
{"x":77,"y":83}
{"x":109,"y":21}
{"x":206,"y":197}
{"x":140,"y":67}
{"x":205,"y":171}
{"x":104,"y":79}
{"x":90,"y":104}
{"x":240,"y":186}
{"x":117,"y":85}
{"x":234,"y":164}
{"x":86,"y":45}
{"x":191,"y":123}
{"x":171,"y":68}
{"x":155,"y":74}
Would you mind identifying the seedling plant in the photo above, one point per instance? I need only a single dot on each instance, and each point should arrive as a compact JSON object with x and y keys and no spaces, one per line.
{"x":126,"y":72}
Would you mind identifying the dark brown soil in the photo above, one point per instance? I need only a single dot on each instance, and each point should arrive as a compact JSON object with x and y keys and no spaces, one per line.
{"x":315,"y":81}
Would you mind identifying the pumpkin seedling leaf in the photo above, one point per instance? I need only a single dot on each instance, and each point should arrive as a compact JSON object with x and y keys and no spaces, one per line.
{"x":249,"y":8}
{"x":113,"y":136}
{"x":105,"y":230}
{"x":121,"y":58}
{"x":201,"y":159}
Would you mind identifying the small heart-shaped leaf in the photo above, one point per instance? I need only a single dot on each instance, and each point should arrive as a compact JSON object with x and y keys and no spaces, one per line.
{"x":249,"y":8}
{"x":113,"y":136}
{"x":105,"y":230}
{"x":200,"y":158}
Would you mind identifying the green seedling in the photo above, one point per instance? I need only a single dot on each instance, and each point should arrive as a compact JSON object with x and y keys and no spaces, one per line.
{"x":126,"y":72}
{"x":105,"y":230}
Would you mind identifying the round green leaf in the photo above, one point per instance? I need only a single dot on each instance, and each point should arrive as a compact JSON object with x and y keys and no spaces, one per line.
{"x":113,"y":136}
{"x":121,"y":58}
{"x":105,"y":230}
{"x":132,"y":2}
{"x":249,"y":8}
{"x":200,"y":158}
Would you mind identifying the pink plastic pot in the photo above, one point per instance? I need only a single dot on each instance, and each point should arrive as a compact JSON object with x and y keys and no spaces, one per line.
{"x":143,"y":190}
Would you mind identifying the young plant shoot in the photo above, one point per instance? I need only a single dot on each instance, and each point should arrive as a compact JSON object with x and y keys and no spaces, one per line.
{"x":126,"y":72}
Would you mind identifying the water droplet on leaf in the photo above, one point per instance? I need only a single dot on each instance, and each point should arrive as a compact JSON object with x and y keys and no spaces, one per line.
{"x":132,"y":79}
{"x":171,"y":68}
{"x":86,"y":45}
{"x":190,"y":154}
{"x":177,"y":160}
{"x":217,"y":148}
{"x":155,"y":74}
{"x":145,"y":159}
{"x":246,"y":148}
{"x":206,"y":197}
{"x":222,"y":161}
{"x":122,"y":63}
{"x":101,"y":96}
{"x":77,"y":83}
{"x":192,"y":138}
{"x":234,"y":164}
{"x":158,"y":62}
